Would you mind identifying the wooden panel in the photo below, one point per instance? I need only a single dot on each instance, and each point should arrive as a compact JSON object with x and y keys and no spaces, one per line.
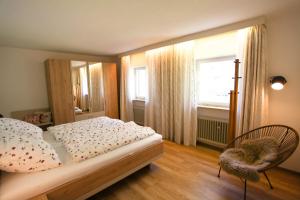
{"x":110,"y":90}
{"x":84,"y":185}
{"x":41,"y":197}
{"x":60,"y":94}
{"x":21,"y":114}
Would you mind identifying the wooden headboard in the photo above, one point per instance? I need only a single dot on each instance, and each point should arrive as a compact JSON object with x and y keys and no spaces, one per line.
{"x":21,"y":114}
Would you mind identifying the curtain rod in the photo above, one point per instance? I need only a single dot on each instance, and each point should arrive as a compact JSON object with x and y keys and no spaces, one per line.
{"x":198,"y":35}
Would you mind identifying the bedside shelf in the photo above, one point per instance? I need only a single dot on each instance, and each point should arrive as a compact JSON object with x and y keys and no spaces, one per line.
{"x":44,"y":124}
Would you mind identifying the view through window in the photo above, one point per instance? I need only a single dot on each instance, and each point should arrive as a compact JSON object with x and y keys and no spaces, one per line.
{"x":140,"y":82}
{"x":214,"y":81}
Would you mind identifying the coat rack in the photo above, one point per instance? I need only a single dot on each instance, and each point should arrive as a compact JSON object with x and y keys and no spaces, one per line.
{"x":233,"y":104}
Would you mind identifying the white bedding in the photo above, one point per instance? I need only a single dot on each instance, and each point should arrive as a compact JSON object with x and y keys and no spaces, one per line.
{"x":88,"y":138}
{"x":23,"y":186}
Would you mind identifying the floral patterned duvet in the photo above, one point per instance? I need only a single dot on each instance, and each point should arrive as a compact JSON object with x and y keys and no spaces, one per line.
{"x":89,"y":138}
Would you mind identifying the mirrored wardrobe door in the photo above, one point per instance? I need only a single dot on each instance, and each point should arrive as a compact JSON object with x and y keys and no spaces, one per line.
{"x":96,"y":90}
{"x":80,"y":86}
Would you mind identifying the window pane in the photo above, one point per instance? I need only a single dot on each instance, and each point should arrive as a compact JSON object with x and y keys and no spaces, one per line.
{"x":140,"y":83}
{"x":215,"y":82}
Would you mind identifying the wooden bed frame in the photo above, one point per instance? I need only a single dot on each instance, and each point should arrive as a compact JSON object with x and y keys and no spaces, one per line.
{"x":84,"y":187}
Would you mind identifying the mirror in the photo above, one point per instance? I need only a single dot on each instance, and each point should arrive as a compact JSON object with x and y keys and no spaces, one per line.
{"x":96,"y":87}
{"x":87,"y":83}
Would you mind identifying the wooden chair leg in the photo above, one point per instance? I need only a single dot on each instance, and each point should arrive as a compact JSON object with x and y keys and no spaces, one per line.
{"x":219,"y":172}
{"x":268,"y":180}
{"x":245,"y":190}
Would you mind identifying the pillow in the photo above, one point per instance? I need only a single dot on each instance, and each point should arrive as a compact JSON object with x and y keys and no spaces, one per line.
{"x":17,"y":127}
{"x":25,"y":153}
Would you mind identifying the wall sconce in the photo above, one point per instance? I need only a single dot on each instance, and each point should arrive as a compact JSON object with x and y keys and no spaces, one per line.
{"x":277,"y":82}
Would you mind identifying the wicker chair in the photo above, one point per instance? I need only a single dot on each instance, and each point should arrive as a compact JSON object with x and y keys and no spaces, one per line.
{"x":287,"y":138}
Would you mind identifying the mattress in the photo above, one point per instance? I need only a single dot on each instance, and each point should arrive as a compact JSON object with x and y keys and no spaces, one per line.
{"x":27,"y":185}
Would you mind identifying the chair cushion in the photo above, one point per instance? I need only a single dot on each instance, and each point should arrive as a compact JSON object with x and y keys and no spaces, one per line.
{"x":251,"y":156}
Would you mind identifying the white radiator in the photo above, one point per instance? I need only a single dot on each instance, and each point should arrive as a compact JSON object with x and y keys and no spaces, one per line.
{"x":212,"y":132}
{"x":138,"y":112}
{"x":138,"y":116}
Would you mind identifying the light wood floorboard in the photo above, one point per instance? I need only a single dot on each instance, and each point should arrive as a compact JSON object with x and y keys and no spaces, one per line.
{"x":191,"y":173}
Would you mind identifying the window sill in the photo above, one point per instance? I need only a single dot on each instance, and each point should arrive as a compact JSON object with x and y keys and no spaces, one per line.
{"x":198,"y":106}
{"x":213,"y":107}
{"x":142,"y":100}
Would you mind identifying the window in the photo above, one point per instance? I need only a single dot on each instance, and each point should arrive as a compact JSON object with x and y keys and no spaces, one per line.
{"x":214,"y":81}
{"x":140,"y":82}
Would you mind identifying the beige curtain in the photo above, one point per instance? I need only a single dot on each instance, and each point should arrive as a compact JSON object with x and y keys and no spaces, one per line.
{"x":96,"y":87}
{"x":126,"y":89}
{"x":254,"y":100}
{"x":170,"y":107}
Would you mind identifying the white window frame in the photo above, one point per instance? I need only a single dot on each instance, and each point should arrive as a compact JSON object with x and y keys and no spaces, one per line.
{"x":136,"y":97}
{"x":214,"y":59}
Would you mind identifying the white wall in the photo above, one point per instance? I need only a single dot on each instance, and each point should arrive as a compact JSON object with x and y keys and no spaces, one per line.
{"x":284,"y":59}
{"x":213,"y":113}
{"x":23,"y":80}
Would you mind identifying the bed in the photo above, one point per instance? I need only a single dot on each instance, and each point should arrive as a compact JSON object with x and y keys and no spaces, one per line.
{"x":80,"y":180}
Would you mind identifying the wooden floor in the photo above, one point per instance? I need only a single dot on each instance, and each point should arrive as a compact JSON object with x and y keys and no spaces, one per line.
{"x":191,"y":173}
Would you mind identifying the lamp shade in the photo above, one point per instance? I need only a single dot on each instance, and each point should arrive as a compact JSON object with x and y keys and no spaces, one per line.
{"x":277,"y":82}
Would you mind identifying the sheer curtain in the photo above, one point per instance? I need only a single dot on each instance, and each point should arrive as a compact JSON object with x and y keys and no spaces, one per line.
{"x":76,"y":87}
{"x":84,"y":89}
{"x":170,"y":106}
{"x":96,"y":88}
{"x":253,"y":106}
{"x":127,"y":88}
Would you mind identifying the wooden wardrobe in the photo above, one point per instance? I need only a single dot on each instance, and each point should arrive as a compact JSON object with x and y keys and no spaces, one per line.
{"x":60,"y":94}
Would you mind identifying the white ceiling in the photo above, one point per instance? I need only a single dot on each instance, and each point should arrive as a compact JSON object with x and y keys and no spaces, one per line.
{"x":106,"y":27}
